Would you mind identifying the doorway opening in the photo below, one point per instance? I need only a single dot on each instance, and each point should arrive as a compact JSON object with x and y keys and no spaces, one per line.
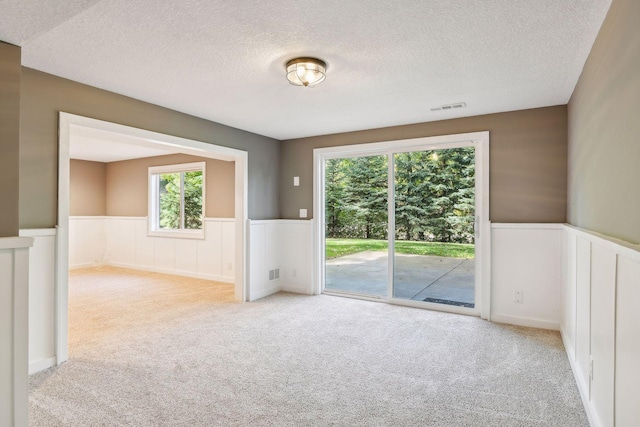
{"x":406,"y":222}
{"x":132,"y":228}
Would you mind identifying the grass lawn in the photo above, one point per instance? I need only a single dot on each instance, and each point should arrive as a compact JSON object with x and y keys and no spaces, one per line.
{"x":341,"y":247}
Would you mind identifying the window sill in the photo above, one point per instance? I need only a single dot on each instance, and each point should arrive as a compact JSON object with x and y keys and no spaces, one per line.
{"x":177,"y":234}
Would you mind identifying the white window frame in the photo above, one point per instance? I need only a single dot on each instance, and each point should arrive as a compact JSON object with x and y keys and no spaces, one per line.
{"x":154,"y":200}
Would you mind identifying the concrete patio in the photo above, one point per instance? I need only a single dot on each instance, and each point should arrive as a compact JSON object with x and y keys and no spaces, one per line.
{"x":417,"y":277}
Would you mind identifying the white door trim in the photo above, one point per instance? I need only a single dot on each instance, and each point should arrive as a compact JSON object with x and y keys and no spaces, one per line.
{"x":480,"y":140}
{"x":188,"y":146}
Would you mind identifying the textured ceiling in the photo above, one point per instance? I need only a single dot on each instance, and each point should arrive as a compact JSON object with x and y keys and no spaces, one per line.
{"x":389,"y":61}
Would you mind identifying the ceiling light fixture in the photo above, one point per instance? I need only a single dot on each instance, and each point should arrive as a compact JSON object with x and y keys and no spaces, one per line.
{"x":306,"y":72}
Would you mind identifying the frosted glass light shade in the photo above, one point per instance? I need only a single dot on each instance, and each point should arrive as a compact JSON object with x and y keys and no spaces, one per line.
{"x":306,"y":71}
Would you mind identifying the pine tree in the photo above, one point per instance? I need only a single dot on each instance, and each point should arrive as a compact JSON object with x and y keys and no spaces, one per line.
{"x":434,"y":196}
{"x":409,"y":176}
{"x":463,"y":215}
{"x":366,"y":195}
{"x":335,"y":182}
{"x":449,"y":195}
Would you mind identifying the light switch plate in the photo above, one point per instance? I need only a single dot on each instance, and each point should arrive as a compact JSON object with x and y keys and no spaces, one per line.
{"x":303,"y":213}
{"x":296,"y":181}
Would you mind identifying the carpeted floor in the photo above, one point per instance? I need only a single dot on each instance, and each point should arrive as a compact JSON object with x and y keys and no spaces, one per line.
{"x":154,"y":350}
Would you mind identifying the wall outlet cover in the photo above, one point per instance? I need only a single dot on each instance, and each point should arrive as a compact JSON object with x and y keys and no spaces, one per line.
{"x":303,"y":213}
{"x":518,"y":297}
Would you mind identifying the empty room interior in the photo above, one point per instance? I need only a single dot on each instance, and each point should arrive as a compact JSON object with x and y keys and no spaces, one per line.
{"x":306,"y":213}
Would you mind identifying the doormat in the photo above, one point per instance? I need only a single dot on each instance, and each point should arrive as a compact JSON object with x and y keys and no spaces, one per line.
{"x":446,"y":301}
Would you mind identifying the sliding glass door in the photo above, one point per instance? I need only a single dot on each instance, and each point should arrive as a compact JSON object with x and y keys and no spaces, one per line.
{"x":433,"y":249}
{"x":400,"y":225}
{"x":356,"y":212}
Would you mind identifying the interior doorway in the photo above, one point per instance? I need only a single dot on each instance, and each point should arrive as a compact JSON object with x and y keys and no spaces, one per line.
{"x":406,"y":222}
{"x":144,"y":140}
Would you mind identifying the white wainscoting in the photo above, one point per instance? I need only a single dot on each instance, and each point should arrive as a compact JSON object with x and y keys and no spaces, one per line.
{"x":601,"y":324}
{"x":123,"y":242}
{"x":14,"y":330}
{"x":42,"y":287}
{"x":87,"y":241}
{"x":286,"y":245}
{"x":526,"y":258}
{"x":586,"y":284}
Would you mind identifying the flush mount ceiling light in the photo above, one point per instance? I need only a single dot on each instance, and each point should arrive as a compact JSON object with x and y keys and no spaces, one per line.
{"x":306,"y":71}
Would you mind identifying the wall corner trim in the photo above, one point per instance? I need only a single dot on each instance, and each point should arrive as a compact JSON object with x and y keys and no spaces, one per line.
{"x":14,"y":332}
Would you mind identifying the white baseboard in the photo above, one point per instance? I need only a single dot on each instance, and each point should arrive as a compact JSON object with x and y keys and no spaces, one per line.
{"x":582,"y":388}
{"x":42,"y":364}
{"x":255,"y":295}
{"x":85,"y":265}
{"x":213,"y":277}
{"x":524,"y":321}
{"x":306,"y":290}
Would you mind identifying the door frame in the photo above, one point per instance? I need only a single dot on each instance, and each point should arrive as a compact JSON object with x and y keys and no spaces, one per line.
{"x":480,"y":140}
{"x":67,"y":122}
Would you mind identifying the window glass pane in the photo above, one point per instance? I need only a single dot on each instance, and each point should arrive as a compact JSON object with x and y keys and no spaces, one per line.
{"x":193,"y":200}
{"x":169,"y":200}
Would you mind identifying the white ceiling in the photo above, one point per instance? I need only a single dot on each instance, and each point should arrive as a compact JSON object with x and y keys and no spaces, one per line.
{"x":103,"y":146}
{"x":389,"y":61}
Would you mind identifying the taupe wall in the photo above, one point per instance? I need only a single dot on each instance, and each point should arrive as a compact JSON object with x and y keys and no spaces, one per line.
{"x":9,"y":138}
{"x":44,"y":96}
{"x":87,"y":188}
{"x":604,"y":130}
{"x":528,"y":158}
{"x":127,"y":185}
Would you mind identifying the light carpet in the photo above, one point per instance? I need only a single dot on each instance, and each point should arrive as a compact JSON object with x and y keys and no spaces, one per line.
{"x":155,"y":350}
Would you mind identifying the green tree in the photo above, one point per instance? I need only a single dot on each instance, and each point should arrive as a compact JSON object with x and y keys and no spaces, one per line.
{"x":170,"y":201}
{"x":366,"y":195}
{"x":171,"y":188}
{"x":449,"y":195}
{"x":434,"y":196}
{"x":193,"y":200}
{"x":335,"y":182}
{"x":409,"y":178}
{"x":463,"y":215}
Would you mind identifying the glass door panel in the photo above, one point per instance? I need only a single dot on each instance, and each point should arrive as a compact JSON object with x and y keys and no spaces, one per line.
{"x":356,"y":225}
{"x":434,"y":242}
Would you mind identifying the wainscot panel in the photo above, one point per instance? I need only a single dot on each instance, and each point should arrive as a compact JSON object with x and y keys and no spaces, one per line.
{"x":603,"y":293}
{"x":280,"y":257}
{"x":14,"y":330}
{"x":42,"y":287}
{"x":124,"y":242}
{"x":526,"y":258}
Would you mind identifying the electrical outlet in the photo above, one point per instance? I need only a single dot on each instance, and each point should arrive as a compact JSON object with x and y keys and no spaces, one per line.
{"x":518,"y":297}
{"x":229,"y":266}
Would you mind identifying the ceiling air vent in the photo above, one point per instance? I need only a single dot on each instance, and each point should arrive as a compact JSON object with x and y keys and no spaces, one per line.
{"x":449,"y":106}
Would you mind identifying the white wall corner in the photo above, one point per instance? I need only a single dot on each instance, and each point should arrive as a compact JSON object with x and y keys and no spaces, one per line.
{"x":527,"y":258}
{"x":14,"y":330}
{"x":42,"y":288}
{"x":283,"y":244}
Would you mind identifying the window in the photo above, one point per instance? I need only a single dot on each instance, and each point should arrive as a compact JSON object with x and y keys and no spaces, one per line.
{"x":176,"y":200}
